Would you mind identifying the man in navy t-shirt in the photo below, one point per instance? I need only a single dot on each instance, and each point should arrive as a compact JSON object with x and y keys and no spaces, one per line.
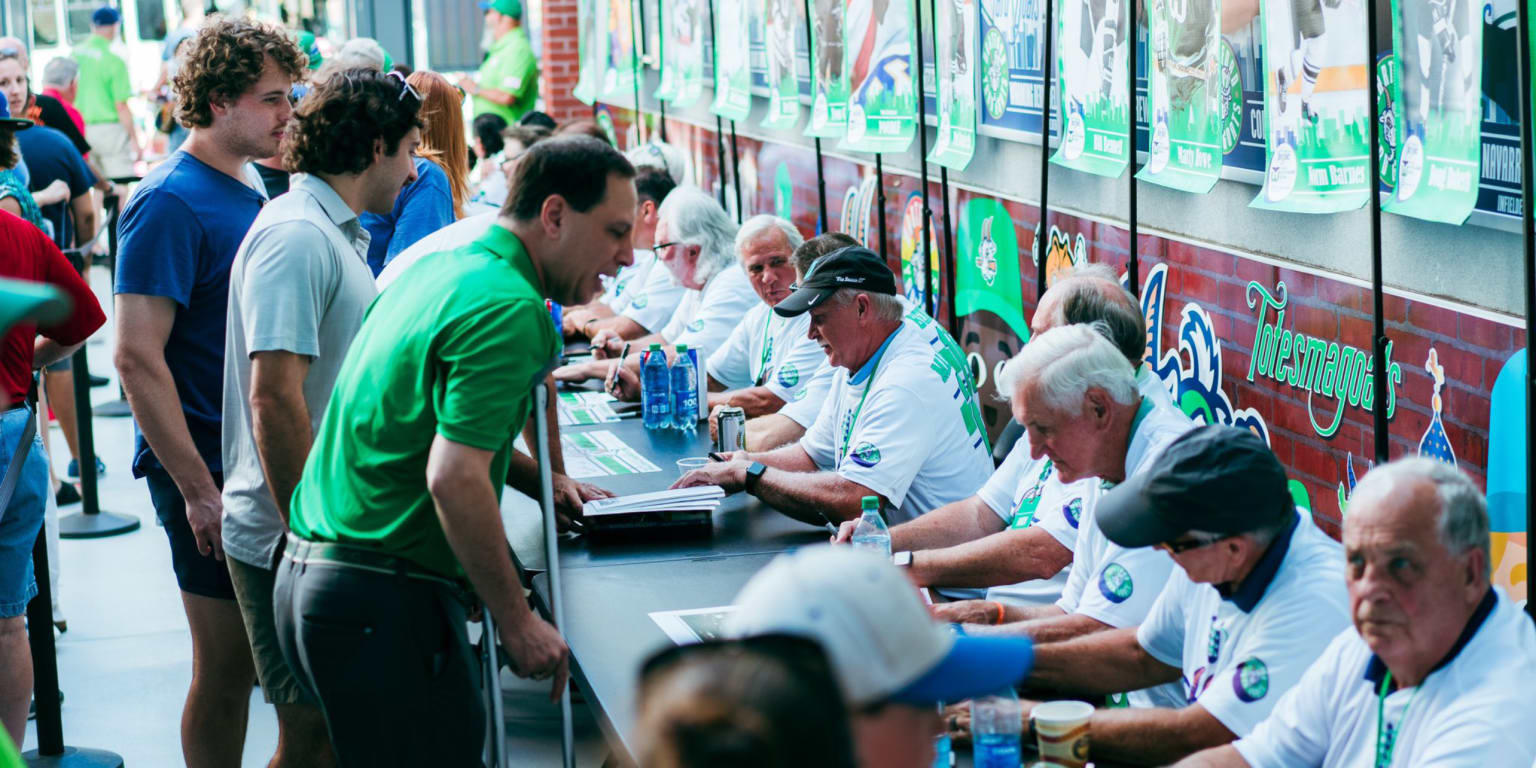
{"x":177,"y":239}
{"x":51,"y":157}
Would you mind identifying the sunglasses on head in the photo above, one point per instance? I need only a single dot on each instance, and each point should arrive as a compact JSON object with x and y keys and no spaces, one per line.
{"x":405,"y":87}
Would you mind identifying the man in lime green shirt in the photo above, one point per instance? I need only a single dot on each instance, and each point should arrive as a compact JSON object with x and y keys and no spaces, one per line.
{"x":102,"y":97}
{"x":508,"y":81}
{"x":399,"y":502}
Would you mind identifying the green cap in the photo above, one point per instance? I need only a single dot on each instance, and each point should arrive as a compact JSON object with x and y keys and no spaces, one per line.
{"x":655,"y":348}
{"x":307,"y":45}
{"x":682,"y":348}
{"x":870,"y":502}
{"x":512,"y":8}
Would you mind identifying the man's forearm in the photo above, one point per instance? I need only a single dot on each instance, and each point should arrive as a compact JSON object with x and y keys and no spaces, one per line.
{"x":281,"y":428}
{"x":625,"y":327}
{"x":954,"y":523}
{"x":125,"y":118}
{"x":471,"y":520}
{"x":1154,"y":735}
{"x":756,"y":401}
{"x":1048,"y":628}
{"x":497,"y":96}
{"x":775,"y":430}
{"x":46,"y":351}
{"x":156,"y":408}
{"x":1006,"y":557}
{"x":814,"y":497}
{"x":1103,"y":662}
{"x":1225,"y":756}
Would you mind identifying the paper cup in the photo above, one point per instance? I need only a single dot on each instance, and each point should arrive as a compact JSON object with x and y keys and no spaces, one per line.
{"x":684,"y":466}
{"x":1061,"y":731}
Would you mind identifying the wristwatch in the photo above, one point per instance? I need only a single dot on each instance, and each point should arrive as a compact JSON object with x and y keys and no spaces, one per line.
{"x":754,"y":473}
{"x":902,"y":559}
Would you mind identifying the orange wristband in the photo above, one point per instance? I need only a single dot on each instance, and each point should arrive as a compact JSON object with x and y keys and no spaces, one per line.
{"x":999,"y":618}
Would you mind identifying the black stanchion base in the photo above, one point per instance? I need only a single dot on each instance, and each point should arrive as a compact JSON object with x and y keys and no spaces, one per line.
{"x":74,"y":757}
{"x":100,"y":525}
{"x":115,"y":409}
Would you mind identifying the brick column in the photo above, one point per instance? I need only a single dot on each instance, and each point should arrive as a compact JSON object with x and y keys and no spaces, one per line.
{"x":560,"y":65}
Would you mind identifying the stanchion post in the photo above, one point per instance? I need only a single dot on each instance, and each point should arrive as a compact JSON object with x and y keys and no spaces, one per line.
{"x":552,"y":559}
{"x":1133,"y":50}
{"x":1378,"y":332}
{"x":1528,"y":262}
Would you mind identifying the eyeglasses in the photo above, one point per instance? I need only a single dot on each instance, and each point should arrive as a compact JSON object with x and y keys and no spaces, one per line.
{"x":657,"y":248}
{"x":405,"y":87}
{"x":1179,"y":547}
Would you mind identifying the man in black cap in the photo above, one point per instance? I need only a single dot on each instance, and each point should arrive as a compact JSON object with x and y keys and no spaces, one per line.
{"x":1259,"y":593}
{"x":901,"y":421}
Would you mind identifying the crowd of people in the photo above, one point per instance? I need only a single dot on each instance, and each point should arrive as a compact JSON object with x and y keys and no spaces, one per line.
{"x":331,"y":311}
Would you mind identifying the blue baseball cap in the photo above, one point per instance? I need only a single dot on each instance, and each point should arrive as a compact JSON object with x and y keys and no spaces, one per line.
{"x":106,"y":15}
{"x":13,"y":123}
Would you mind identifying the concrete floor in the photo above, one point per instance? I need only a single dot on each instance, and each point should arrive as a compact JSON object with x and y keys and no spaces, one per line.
{"x":126,"y":661}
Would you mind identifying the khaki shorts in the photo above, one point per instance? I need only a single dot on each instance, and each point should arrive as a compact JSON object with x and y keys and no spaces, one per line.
{"x":253,"y":591}
{"x":111,"y":147}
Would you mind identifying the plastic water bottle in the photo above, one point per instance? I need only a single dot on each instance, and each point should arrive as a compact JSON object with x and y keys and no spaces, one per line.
{"x":996,"y":721}
{"x":942,"y":749}
{"x":655,"y":389}
{"x":685,"y":391}
{"x":871,"y":532}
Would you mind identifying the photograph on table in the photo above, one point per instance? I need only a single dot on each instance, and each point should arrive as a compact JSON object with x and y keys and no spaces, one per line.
{"x":1090,"y":62}
{"x":781,"y":26}
{"x":877,"y":57}
{"x":955,"y":80}
{"x":694,"y":625}
{"x":1437,"y":52}
{"x":829,"y":81}
{"x":620,"y":59}
{"x":1183,"y":85}
{"x":1318,"y":140}
{"x":1012,"y":55}
{"x":733,"y":78}
{"x":682,"y":51}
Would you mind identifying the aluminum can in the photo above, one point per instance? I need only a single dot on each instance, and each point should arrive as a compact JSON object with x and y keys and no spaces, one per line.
{"x":730,"y":430}
{"x":556,"y":313}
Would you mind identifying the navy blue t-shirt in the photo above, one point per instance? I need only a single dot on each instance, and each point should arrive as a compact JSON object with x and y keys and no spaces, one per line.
{"x":177,"y":238}
{"x":423,"y":207}
{"x":51,"y":156}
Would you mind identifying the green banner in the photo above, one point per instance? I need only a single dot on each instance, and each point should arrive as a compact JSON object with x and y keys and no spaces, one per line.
{"x":829,"y":81}
{"x":877,"y":56}
{"x":1438,"y":50}
{"x":590,"y":37}
{"x":1315,"y":76}
{"x":682,"y":52}
{"x":618,"y":51}
{"x":987,"y":272}
{"x":1183,"y":87}
{"x":733,"y":78}
{"x":956,"y":47}
{"x":1091,"y":66}
{"x":781,"y":21}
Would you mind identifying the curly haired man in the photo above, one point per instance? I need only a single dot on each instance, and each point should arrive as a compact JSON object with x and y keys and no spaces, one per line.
{"x":178,"y":237}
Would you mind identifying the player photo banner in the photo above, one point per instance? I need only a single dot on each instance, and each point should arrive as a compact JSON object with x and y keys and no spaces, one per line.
{"x":682,"y":51}
{"x":591,"y":49}
{"x":1315,"y":78}
{"x":618,"y":52}
{"x":878,"y":40}
{"x":1183,"y":84}
{"x":733,"y":77}
{"x":1437,"y":108}
{"x":1090,"y":61}
{"x":781,"y":22}
{"x":829,"y":82}
{"x":955,"y":26}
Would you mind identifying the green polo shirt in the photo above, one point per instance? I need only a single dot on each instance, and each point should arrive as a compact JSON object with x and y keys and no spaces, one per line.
{"x":455,"y":350}
{"x":509,"y":67}
{"x":103,"y":81}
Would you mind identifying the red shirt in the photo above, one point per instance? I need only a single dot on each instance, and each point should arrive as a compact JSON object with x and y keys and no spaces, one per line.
{"x":74,"y":114}
{"x":27,"y":254}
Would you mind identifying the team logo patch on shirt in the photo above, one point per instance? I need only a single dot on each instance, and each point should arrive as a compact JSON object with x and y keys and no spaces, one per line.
{"x":1251,"y":680}
{"x":865,"y":455}
{"x":1115,"y":583}
{"x":789,"y":375}
{"x":640,"y":302}
{"x":697,"y":325}
{"x":1073,"y":512}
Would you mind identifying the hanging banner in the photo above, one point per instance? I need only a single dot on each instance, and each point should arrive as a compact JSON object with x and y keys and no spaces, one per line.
{"x":955,"y":48}
{"x":987,"y":272}
{"x":829,"y":83}
{"x":1012,"y":89}
{"x":733,"y":78}
{"x":591,"y":49}
{"x":781,"y":22}
{"x":1438,"y":54}
{"x":1314,"y":86}
{"x":877,"y":57}
{"x":682,"y":73}
{"x":1091,"y":77}
{"x":919,"y":280}
{"x":618,"y":53}
{"x":1184,"y":96}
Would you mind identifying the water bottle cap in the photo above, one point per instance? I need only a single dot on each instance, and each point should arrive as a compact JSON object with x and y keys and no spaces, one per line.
{"x":870,"y":502}
{"x":682,"y":347}
{"x":655,"y":348}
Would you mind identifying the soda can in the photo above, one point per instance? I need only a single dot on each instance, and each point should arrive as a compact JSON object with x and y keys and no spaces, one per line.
{"x":556,"y":313}
{"x":730,"y":430}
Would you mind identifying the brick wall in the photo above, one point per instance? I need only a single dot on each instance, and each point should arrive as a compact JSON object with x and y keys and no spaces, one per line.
{"x":560,"y":63}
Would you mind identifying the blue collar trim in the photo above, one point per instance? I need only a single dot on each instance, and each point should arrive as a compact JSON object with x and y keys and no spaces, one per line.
{"x":1376,"y":669}
{"x":868,"y":369}
{"x":1263,"y":574}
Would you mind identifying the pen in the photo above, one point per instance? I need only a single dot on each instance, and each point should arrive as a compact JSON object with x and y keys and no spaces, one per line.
{"x":622,"y":357}
{"x":717,"y":457}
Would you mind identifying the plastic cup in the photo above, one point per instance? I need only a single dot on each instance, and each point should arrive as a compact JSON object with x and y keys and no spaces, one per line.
{"x":684,"y":466}
{"x":1061,"y":732}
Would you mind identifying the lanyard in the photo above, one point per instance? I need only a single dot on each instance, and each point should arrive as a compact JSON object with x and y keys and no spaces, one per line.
{"x":848,"y":432}
{"x":767,"y":352}
{"x":1386,"y":734}
{"x":1030,"y":501}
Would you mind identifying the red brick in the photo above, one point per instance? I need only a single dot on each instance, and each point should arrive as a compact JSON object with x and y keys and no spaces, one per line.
{"x":1248,"y":269}
{"x":1394,"y":308}
{"x":1313,"y":462}
{"x":1462,"y":366}
{"x":1195,"y":286}
{"x":1467,"y":406}
{"x":1429,"y":317}
{"x":1355,"y":331}
{"x":1312,"y":320}
{"x":1495,"y":337}
{"x":1299,"y":284}
{"x":1343,"y":295}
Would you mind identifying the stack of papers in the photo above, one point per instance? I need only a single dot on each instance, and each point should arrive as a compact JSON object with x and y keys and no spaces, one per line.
{"x":703,"y":498}
{"x":580,"y":408}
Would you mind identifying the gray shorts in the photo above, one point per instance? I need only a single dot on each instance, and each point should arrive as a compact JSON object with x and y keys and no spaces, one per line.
{"x":253,"y":591}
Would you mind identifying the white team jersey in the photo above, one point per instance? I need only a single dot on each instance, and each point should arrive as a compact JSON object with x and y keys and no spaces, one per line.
{"x":1239,"y":655}
{"x":804,"y":410}
{"x":917,"y":438}
{"x":704,"y":319}
{"x":654,"y":298}
{"x":449,"y":238}
{"x":621,"y":289}
{"x":1472,"y":711}
{"x":774,"y":352}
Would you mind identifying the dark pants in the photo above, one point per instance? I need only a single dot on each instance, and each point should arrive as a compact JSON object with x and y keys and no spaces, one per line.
{"x":387,"y":658}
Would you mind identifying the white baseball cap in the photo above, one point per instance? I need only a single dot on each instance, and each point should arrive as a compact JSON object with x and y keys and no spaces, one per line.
{"x":659,"y":154}
{"x":879,"y":636}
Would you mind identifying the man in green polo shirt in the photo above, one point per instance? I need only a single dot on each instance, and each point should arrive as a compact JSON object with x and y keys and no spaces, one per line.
{"x":103,"y":94}
{"x":398,"y":505}
{"x":508,"y":81}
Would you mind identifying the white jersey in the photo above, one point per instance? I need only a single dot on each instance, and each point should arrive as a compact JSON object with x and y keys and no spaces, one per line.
{"x":704,"y":319}
{"x":1240,"y":654}
{"x":906,"y":425}
{"x":1472,"y":711}
{"x":449,"y":238}
{"x":766,"y":350}
{"x":621,"y":289}
{"x":655,"y":300}
{"x":805,"y":410}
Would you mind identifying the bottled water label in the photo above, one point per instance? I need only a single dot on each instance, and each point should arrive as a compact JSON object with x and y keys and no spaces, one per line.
{"x":881,"y":544}
{"x":997,"y":750}
{"x":942,"y":751}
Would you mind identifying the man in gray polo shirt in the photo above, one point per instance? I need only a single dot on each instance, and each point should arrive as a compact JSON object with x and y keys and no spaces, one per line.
{"x":298,"y":290}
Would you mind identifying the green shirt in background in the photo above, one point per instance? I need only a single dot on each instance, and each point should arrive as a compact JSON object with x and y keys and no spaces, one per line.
{"x":103,"y":80}
{"x":455,"y":350}
{"x":509,"y":67}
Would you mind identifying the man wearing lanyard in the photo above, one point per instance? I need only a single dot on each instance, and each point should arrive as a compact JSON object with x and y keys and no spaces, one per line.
{"x":1256,"y":598}
{"x":1439,"y":666}
{"x":900,"y":422}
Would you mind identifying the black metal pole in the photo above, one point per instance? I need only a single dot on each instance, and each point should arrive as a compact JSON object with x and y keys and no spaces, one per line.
{"x":821,"y":178}
{"x":1528,"y":219}
{"x":880,"y":202}
{"x":921,"y":257}
{"x":661,"y":120}
{"x":948,"y":265}
{"x":719,"y":124}
{"x":1378,"y":317}
{"x":637,"y":11}
{"x":736,"y":172}
{"x":1133,"y":40}
{"x":1043,"y":236}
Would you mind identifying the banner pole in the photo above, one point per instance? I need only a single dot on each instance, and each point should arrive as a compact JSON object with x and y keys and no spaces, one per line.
{"x":822,"y":225}
{"x":880,"y":203}
{"x":920,"y":263}
{"x":719,"y":124}
{"x":1043,"y":236}
{"x":1133,"y":51}
{"x":637,"y":18}
{"x":1528,"y":260}
{"x":1378,"y":317}
{"x":736,"y":172}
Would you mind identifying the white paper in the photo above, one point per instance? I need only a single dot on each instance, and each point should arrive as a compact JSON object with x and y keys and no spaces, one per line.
{"x":601,"y":454}
{"x":694,"y":625}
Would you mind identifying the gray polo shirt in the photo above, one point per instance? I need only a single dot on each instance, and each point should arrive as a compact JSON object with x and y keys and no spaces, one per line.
{"x":300,"y":283}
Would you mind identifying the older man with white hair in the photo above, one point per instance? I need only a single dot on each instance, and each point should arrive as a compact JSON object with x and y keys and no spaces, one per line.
{"x":696,"y":241}
{"x":1439,"y":666}
{"x":900,"y":422}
